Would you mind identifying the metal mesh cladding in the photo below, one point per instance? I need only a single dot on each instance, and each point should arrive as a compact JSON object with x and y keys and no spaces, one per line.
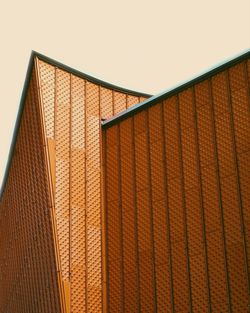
{"x":73,"y":107}
{"x":177,"y":204}
{"x":176,"y":199}
{"x":28,"y":267}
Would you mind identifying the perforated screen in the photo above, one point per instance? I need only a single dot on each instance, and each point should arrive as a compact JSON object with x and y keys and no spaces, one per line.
{"x":177,"y":201}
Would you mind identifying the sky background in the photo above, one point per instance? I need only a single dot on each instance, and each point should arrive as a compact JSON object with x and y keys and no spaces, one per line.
{"x":148,"y":46}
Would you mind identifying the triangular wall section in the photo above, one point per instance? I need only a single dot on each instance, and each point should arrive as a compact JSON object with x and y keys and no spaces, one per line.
{"x":30,"y":282}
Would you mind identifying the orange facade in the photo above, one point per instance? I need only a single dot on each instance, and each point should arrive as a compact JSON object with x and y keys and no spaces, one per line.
{"x":177,"y":203}
{"x":64,"y":168}
{"x":147,"y":211}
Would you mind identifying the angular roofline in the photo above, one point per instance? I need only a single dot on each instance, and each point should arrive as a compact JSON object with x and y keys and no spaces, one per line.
{"x":87,"y":77}
{"x":66,"y":68}
{"x":167,"y":94}
{"x":119,"y":117}
{"x":17,"y":123}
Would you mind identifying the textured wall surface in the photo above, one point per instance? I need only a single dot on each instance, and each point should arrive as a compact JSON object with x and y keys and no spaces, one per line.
{"x":29,"y":280}
{"x":151,"y":214}
{"x":177,"y":201}
{"x":73,"y":107}
{"x":50,"y":210}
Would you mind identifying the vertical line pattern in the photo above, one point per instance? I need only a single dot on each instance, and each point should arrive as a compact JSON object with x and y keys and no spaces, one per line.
{"x":55,"y":84}
{"x":59,"y":267}
{"x":102,"y":195}
{"x":35,"y":267}
{"x":37,"y":109}
{"x":247,"y":83}
{"x":198,"y":164}
{"x":85,"y":219}
{"x":151,"y":211}
{"x":236,"y":162}
{"x":70,"y":173}
{"x":184,"y":204}
{"x":135,"y":215}
{"x":218,"y":179}
{"x":104,"y":225}
{"x":106,"y":214}
{"x":120,"y":215}
{"x":46,"y":160}
{"x":62,"y":97}
{"x":200,"y":199}
{"x":165,"y":177}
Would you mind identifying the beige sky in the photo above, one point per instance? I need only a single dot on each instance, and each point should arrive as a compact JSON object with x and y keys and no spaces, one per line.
{"x":149,"y":46}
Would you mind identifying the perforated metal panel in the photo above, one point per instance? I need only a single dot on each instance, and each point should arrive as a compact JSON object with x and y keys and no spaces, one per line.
{"x":29,"y":280}
{"x":177,"y":201}
{"x":73,"y":107}
{"x":174,"y":213}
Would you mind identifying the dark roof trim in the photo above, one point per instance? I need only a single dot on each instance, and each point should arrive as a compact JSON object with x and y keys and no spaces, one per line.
{"x":166,"y":94}
{"x":24,"y":93}
{"x":88,"y":77}
{"x":17,"y":124}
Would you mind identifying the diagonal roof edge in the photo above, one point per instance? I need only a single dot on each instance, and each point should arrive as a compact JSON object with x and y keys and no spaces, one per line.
{"x":17,"y":123}
{"x":23,"y":98}
{"x":88,"y":77}
{"x":123,"y":115}
{"x":166,"y":94}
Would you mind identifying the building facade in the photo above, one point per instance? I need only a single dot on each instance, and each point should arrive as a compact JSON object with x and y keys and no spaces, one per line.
{"x":115,"y":201}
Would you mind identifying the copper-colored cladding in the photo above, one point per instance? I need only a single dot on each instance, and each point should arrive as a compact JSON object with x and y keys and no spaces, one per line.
{"x":29,"y":280}
{"x":73,"y":107}
{"x":177,"y":201}
{"x":52,"y":199}
{"x":168,"y":195}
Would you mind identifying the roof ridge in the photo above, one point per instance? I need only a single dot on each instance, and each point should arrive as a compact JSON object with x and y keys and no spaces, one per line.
{"x":166,"y":94}
{"x":33,"y":55}
{"x":87,"y":76}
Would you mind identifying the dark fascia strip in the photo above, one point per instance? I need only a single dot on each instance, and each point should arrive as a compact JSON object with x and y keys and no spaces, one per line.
{"x":88,"y":77}
{"x":24,"y":94}
{"x":167,"y":94}
{"x":17,"y":124}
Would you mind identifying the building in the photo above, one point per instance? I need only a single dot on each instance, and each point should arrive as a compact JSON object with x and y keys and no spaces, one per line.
{"x":116,"y":201}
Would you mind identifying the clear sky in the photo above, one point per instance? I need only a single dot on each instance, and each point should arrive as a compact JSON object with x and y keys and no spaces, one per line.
{"x":148,"y":46}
